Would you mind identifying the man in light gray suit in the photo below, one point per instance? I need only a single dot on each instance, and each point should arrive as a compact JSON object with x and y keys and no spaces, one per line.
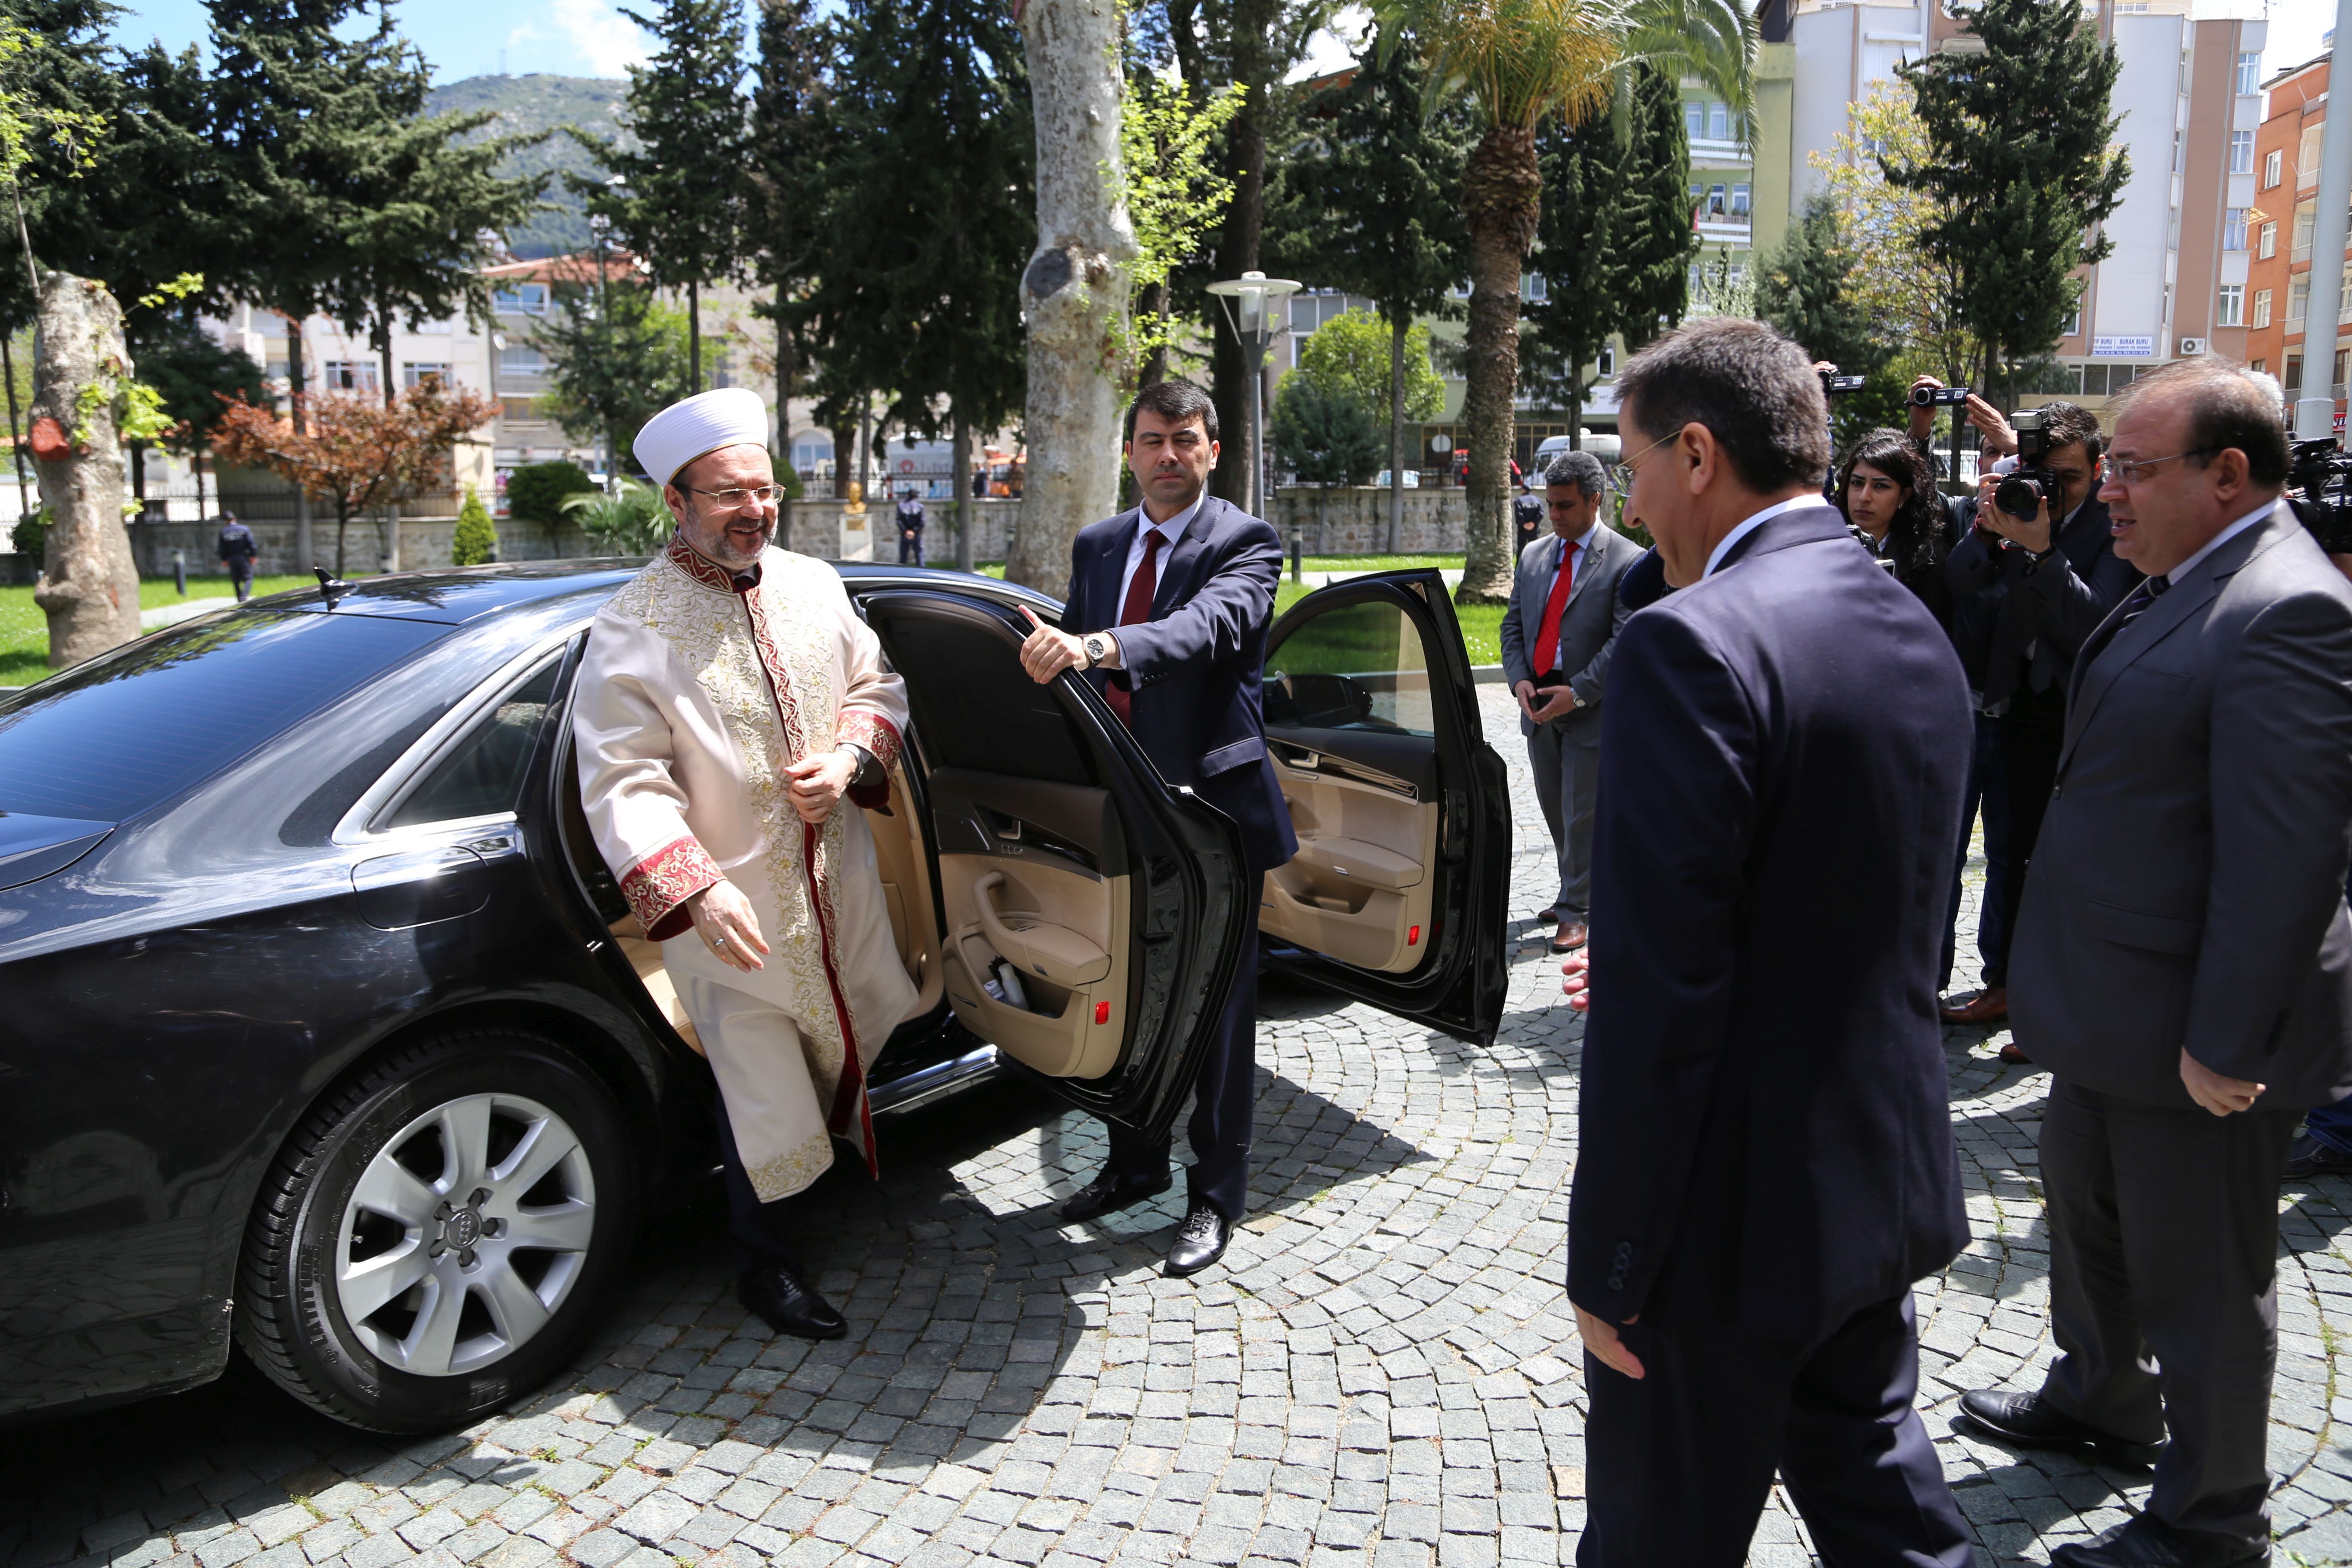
{"x":1556,"y":636}
{"x":2183,"y":965}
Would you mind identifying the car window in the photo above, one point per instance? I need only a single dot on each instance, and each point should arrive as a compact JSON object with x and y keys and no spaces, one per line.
{"x":132,"y":729}
{"x":1351,"y":666}
{"x":481,"y":776}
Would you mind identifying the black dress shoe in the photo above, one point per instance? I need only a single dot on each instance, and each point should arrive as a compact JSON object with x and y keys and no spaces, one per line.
{"x":2025,"y":1422}
{"x":2147,"y":1542}
{"x":1200,"y":1242}
{"x":789,"y":1304}
{"x":2309,"y":1157}
{"x":1107,"y":1193}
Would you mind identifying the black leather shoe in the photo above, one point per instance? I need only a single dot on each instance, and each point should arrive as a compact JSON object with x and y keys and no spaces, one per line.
{"x":789,"y":1303}
{"x":1200,"y":1242}
{"x":2309,"y":1157}
{"x":2147,"y":1542}
{"x":1108,"y":1195}
{"x":2024,"y":1421}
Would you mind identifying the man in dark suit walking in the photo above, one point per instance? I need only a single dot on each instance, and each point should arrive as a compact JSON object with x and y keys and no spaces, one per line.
{"x":1558,"y":633}
{"x":1167,"y":615}
{"x":2183,"y":966}
{"x":1765,"y":1161}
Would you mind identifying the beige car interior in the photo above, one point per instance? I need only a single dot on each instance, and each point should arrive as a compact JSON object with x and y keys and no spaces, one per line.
{"x":1359,"y":888}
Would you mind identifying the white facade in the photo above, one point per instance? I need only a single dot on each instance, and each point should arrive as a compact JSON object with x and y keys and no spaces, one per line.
{"x":1843,"y":52}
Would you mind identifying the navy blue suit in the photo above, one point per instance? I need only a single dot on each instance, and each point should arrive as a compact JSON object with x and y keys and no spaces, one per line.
{"x":1765,"y":1161}
{"x":1192,"y":674}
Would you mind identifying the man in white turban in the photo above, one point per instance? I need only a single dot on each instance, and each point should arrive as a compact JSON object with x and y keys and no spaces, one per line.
{"x":730,"y":700}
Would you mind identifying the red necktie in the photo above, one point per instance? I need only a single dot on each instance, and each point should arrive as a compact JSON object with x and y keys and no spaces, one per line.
{"x":1136,"y":608}
{"x":1548,"y":639}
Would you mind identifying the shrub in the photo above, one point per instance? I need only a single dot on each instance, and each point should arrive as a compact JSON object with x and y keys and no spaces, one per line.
{"x":476,"y":539}
{"x":535,"y":494}
{"x":632,"y":521}
{"x":31,"y":535}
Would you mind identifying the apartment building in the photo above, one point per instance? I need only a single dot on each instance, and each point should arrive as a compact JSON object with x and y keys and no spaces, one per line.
{"x":2283,"y":213}
{"x":1722,"y":186}
{"x":2190,"y":99}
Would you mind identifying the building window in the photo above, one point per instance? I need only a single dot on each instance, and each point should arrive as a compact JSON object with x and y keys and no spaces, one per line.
{"x":522,"y":300}
{"x":2292,"y":379}
{"x":350,"y":376}
{"x":1740,"y":202}
{"x":520,"y":409}
{"x":2073,"y":324}
{"x":2241,"y":151}
{"x":2270,"y":168}
{"x":2306,"y":218}
{"x":2262,"y":308}
{"x":2234,"y":229}
{"x":1606,"y":365}
{"x":2172,"y":231}
{"x":2269,"y":246}
{"x":1715,"y":202}
{"x":1693,"y":119}
{"x":2180,"y":147}
{"x":522,"y":359}
{"x":1719,"y":122}
{"x":2250,"y":73}
{"x":2307,"y":154}
{"x":412,"y":373}
{"x":2233,"y":312}
{"x":2259,"y":367}
{"x":2298,"y":302}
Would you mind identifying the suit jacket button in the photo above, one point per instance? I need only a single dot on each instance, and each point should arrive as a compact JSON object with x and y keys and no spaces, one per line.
{"x":1616,"y":1282}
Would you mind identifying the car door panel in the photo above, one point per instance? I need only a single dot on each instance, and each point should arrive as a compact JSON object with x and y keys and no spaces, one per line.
{"x":1395,"y":892}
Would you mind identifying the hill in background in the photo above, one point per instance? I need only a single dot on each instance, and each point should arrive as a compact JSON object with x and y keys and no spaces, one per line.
{"x":525,"y":104}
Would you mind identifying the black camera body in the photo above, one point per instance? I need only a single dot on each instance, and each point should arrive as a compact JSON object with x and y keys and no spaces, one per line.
{"x":1838,"y":385}
{"x":2320,"y":486}
{"x":1939,"y":397}
{"x":2022,"y":492}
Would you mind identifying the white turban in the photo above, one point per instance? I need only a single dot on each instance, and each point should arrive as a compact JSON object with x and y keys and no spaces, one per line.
{"x":732,"y":416}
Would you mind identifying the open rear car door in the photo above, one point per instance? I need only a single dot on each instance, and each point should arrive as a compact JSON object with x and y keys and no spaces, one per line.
{"x":1396,"y":895}
{"x":1088,"y":916}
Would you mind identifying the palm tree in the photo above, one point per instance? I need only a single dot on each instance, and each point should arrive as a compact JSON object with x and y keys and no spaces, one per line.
{"x":1521,"y":61}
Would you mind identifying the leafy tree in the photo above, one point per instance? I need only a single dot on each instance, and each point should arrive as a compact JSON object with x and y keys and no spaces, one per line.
{"x":1175,"y":199}
{"x":1324,"y":435}
{"x":2021,"y":168}
{"x":537,"y":491}
{"x":1803,"y":290}
{"x":630,"y":520}
{"x":1654,"y":240}
{"x":682,"y":191}
{"x":616,"y":356}
{"x":476,"y":539}
{"x":1584,"y":202}
{"x":787,"y":152}
{"x":1898,"y":277}
{"x":195,"y":373}
{"x":1349,"y":354}
{"x":1371,"y":207}
{"x":357,"y":456}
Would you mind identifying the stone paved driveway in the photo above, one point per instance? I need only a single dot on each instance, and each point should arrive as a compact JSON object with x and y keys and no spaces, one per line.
{"x":1381,"y":1376}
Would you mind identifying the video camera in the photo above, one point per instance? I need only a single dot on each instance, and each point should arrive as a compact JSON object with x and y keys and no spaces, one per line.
{"x":2320,"y":486}
{"x":2022,"y":492}
{"x":1836,"y":385}
{"x":1939,"y":397}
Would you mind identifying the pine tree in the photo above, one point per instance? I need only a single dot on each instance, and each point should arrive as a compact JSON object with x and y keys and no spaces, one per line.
{"x":681,"y":201}
{"x":1654,"y":237}
{"x":1576,"y":251}
{"x":476,"y":539}
{"x":1801,"y":288}
{"x":616,"y":357}
{"x":1372,"y":207}
{"x":2021,"y":170}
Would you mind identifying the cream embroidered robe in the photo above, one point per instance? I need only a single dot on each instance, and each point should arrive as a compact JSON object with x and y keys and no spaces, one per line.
{"x":694,"y":698}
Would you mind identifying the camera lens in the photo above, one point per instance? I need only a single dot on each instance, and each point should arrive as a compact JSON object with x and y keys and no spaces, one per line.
{"x":1923,"y":396}
{"x":2019,"y":495}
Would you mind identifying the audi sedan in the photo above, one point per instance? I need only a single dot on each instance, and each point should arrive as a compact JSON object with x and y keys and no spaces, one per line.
{"x":327,"y":1035}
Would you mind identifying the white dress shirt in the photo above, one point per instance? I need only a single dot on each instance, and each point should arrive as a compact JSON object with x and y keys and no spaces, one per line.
{"x":1750,"y":525}
{"x":1169,"y":532}
{"x":2174,"y":576}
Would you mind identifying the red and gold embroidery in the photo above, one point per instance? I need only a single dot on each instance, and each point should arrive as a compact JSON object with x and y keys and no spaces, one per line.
{"x":873,"y":731}
{"x":659,"y":885}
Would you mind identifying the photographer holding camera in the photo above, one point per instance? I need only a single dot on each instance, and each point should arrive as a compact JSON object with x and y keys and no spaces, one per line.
{"x":2039,"y":559}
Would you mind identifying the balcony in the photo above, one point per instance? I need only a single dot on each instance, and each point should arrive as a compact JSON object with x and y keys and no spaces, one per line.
{"x":1733,"y":231}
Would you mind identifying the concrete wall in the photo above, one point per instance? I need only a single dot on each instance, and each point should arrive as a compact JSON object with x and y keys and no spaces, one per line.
{"x":1354,"y":520}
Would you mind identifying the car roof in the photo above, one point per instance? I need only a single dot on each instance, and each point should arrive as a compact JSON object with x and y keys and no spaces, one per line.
{"x":462,"y":595}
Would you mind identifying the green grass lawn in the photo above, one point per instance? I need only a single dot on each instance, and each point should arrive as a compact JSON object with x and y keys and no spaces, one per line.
{"x":25,"y":630}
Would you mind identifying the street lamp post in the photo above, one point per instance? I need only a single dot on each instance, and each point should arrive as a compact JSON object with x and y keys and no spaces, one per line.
{"x":1248,"y":301}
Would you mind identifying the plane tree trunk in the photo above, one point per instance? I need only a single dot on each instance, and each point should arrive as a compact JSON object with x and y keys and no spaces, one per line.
{"x":89,"y":585}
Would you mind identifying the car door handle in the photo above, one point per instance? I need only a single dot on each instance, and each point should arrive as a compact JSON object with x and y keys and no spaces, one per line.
{"x":417,"y":887}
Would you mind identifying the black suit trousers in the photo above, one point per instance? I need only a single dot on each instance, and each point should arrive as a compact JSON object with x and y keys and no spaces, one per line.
{"x":1678,"y":1464}
{"x":759,"y":1235}
{"x":1223,"y":1096}
{"x":2032,"y":734}
{"x":2164,"y":1291}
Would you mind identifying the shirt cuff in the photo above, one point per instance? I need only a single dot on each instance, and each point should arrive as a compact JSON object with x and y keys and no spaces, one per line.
{"x":659,"y":885}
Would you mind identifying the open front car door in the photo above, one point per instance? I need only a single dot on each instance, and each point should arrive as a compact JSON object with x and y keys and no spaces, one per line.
{"x":1396,"y":895}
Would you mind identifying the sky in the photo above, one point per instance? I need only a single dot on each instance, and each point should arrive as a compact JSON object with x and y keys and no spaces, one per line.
{"x":590,"y":37}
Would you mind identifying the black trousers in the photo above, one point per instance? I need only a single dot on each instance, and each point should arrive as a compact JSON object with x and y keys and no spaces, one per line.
{"x":2164,"y":1291}
{"x":910,"y":549}
{"x":759,"y":1235}
{"x":2033,"y":734}
{"x":1223,"y":1098}
{"x":1678,"y":1464}
{"x":240,"y":577}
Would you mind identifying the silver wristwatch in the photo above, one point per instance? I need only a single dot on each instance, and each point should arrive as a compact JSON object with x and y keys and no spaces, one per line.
{"x":1097,"y":647}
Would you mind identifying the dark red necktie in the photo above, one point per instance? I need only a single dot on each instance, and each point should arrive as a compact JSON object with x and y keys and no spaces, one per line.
{"x":1138,"y":608}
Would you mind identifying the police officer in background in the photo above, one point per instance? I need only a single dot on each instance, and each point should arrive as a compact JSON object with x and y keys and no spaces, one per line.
{"x":911,"y":519}
{"x":238,"y":552}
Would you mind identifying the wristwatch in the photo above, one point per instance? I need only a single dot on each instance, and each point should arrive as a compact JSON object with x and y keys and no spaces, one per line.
{"x":1098,"y":648}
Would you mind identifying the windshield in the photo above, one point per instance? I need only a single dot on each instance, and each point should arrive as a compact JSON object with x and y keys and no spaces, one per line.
{"x":127,"y":730}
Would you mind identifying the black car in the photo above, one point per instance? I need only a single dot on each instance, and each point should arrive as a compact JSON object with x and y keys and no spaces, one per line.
{"x":325,"y":1029}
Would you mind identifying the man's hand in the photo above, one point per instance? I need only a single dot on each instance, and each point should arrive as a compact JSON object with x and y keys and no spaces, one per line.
{"x":1048,"y":652}
{"x":819,"y":783}
{"x":1558,"y":705}
{"x":2220,"y":1095}
{"x":2031,"y":534}
{"x":1525,"y":690}
{"x":1578,"y":981}
{"x":1600,"y":1337}
{"x":724,"y":920}
{"x":1999,"y":439}
{"x":1923,"y":416}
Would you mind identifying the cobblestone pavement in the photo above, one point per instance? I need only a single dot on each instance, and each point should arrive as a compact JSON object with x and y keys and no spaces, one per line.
{"x":1383,"y":1374}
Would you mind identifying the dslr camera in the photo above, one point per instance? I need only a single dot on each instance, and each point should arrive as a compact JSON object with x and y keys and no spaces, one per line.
{"x":2320,"y":486}
{"x":2021,"y":494}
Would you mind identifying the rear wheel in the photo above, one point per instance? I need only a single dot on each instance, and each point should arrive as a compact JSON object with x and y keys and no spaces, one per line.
{"x":436,"y":1236}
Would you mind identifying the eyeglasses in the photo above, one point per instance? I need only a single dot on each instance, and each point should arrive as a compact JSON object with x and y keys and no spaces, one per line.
{"x":736,"y":499}
{"x":1620,"y":478}
{"x":2131,"y":470}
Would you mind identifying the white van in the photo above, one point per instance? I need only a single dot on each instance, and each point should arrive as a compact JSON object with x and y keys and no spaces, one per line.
{"x":1603,"y":444}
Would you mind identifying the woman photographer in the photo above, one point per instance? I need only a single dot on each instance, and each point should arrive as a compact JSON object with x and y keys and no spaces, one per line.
{"x":1887,"y":492}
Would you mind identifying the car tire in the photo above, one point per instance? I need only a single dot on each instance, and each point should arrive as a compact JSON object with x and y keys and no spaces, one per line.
{"x":439,"y":1231}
